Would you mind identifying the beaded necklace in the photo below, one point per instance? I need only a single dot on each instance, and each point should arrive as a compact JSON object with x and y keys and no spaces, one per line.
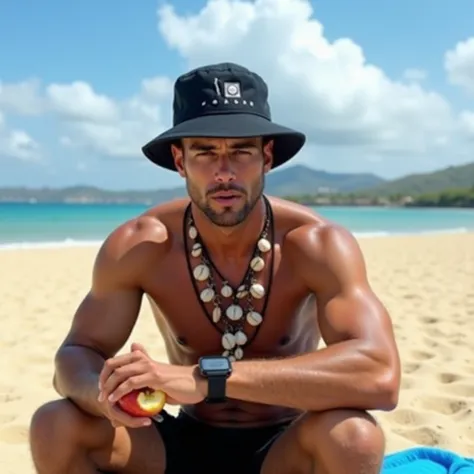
{"x":231,"y":311}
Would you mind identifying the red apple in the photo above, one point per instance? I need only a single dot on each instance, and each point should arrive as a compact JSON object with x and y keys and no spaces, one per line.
{"x":144,"y":402}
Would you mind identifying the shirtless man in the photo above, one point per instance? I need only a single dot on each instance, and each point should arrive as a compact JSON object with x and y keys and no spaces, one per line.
{"x":288,"y":276}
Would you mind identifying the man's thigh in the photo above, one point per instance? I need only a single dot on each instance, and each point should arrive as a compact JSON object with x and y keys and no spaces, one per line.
{"x":132,"y":451}
{"x":286,"y":455}
{"x":327,"y":442}
{"x":64,"y":438}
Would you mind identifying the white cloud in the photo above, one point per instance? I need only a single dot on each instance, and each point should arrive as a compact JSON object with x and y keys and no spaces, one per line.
{"x":22,"y":98}
{"x":78,"y":102}
{"x":326,"y":89}
{"x":156,"y":88}
{"x":414,"y":74}
{"x":17,"y":144}
{"x":101,"y":124}
{"x":466,"y":119}
{"x":353,"y":114}
{"x":459,"y":64}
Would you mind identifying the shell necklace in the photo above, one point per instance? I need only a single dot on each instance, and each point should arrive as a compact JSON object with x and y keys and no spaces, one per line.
{"x":231,"y":311}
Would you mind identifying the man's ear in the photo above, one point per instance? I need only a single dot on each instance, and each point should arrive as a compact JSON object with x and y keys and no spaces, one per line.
{"x":178,"y":156}
{"x":268,"y":156}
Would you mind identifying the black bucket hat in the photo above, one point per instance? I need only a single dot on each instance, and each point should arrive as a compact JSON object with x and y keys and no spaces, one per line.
{"x":222,"y":101}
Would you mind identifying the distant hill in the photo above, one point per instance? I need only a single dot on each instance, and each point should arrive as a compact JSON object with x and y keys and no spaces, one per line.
{"x":87,"y":194}
{"x":294,"y":180}
{"x":291,"y":182}
{"x":300,"y":179}
{"x":453,"y":177}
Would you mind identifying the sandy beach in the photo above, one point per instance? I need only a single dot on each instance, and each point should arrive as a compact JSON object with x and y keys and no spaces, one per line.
{"x":427,"y":283}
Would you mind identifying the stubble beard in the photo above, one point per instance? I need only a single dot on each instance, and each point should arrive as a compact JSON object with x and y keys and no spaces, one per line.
{"x":227,"y":218}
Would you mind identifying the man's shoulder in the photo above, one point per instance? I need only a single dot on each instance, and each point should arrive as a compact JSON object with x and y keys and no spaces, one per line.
{"x":323,"y":241}
{"x":304,"y":224}
{"x":325,"y":254}
{"x":150,"y":232}
{"x":293,"y":214}
{"x":310,"y":235}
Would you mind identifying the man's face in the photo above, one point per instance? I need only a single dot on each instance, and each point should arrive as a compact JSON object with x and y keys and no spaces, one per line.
{"x":224,"y":177}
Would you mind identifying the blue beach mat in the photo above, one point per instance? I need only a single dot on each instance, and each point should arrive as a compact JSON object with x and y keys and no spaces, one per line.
{"x":427,"y":460}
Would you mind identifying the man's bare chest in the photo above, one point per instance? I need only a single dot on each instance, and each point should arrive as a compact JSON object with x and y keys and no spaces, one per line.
{"x":288,"y":313}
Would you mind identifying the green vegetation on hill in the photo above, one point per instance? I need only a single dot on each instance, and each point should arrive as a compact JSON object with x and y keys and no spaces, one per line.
{"x":293,"y":180}
{"x":452,"y":186}
{"x":88,"y":194}
{"x":454,"y":177}
{"x":447,"y":198}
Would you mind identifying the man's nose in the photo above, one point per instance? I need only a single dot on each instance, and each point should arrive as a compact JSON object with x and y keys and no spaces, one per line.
{"x":224,"y":172}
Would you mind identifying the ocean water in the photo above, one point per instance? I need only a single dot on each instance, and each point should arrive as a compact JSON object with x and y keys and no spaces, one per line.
{"x":51,"y":225}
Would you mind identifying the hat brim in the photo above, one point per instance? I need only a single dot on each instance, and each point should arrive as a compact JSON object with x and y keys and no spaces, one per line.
{"x":287,"y":142}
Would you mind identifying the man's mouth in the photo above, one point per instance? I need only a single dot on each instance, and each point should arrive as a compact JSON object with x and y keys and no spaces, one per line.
{"x":226,"y":197}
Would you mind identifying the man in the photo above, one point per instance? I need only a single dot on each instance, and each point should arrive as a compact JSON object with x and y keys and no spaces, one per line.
{"x":241,"y":287}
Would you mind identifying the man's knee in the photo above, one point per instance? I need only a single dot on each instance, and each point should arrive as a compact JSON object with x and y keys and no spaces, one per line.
{"x":51,"y":428}
{"x":45,"y":420}
{"x":56,"y":418}
{"x":353,"y":432}
{"x":63,"y":423}
{"x":61,"y":435}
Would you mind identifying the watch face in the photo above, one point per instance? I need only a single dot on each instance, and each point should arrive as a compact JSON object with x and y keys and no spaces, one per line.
{"x":217,"y":363}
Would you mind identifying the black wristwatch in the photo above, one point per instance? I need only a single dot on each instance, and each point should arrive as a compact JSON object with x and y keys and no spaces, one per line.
{"x":216,"y":369}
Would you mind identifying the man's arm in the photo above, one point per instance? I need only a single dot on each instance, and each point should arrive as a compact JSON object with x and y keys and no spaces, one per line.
{"x":106,"y":316}
{"x":360,"y":366}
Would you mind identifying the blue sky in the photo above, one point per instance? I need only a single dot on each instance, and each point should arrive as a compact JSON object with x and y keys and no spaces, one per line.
{"x":421,"y":112}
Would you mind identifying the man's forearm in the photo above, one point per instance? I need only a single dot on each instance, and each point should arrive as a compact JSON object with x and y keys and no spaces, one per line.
{"x":77,"y":376}
{"x":339,"y":376}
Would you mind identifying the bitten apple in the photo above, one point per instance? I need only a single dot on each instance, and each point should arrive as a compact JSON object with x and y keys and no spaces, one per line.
{"x":143,"y":402}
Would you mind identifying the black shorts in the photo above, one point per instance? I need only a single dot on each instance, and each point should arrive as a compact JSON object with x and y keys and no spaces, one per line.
{"x":192,"y":446}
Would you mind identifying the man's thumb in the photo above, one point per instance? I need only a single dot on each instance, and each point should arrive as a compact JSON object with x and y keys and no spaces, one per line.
{"x":139,"y":347}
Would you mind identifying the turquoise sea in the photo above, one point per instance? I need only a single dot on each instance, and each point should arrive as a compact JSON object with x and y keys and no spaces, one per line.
{"x":46,"y":225}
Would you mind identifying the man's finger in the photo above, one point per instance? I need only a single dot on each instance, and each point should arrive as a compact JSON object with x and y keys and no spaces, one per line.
{"x":114,"y":363}
{"x":118,"y":376}
{"x":119,"y":416}
{"x":139,"y":347}
{"x":135,"y":382}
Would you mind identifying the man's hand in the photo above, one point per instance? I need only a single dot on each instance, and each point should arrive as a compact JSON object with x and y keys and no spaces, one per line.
{"x":137,"y":370}
{"x":118,"y":417}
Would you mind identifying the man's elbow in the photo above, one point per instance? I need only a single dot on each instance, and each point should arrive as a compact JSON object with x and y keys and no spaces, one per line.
{"x":57,"y":373}
{"x":387,"y":389}
{"x":55,"y":383}
{"x":384,"y":378}
{"x":57,"y":386}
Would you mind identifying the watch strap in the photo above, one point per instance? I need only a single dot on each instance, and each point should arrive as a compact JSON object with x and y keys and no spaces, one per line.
{"x":216,"y":388}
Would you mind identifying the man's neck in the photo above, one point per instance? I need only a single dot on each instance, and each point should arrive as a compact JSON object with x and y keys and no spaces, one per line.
{"x":231,"y":242}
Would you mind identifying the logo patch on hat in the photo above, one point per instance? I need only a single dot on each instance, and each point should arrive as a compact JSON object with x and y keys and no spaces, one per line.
{"x":232,"y":90}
